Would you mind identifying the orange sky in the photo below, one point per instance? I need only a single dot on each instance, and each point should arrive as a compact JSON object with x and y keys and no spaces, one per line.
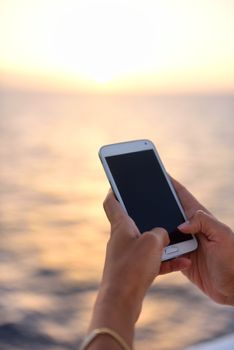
{"x":142,"y":46}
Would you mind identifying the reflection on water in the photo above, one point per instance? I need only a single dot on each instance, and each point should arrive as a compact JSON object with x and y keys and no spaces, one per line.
{"x":53,"y":229}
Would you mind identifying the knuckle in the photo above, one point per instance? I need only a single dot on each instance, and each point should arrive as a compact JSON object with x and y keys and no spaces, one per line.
{"x":199,"y":214}
{"x":200,"y":218}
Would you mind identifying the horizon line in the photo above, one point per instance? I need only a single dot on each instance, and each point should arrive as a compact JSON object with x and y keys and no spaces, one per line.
{"x":76,"y":92}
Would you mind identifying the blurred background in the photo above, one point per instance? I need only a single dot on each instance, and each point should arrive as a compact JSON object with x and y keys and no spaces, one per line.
{"x":75,"y":75}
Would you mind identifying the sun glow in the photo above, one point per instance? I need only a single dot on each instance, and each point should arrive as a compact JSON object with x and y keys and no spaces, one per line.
{"x":119,"y":44}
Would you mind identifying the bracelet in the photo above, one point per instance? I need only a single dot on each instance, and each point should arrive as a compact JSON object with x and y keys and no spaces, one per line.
{"x":98,"y":331}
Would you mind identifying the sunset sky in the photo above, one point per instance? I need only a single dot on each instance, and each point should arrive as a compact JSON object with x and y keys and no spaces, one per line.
{"x":146,"y":46}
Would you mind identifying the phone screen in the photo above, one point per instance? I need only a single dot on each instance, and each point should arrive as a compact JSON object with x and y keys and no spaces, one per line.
{"x":146,"y":194}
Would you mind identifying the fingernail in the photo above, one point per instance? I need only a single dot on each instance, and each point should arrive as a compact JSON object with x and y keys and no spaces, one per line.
{"x":184,"y":225}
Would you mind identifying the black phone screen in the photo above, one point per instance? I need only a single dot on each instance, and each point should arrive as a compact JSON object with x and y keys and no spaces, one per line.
{"x":146,"y":194}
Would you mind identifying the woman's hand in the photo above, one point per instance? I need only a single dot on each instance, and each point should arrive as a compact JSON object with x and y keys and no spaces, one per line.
{"x":212,"y":264}
{"x":132,"y":260}
{"x":132,"y":263}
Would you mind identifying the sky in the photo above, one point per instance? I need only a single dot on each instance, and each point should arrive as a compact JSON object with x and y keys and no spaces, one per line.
{"x":127,"y":46}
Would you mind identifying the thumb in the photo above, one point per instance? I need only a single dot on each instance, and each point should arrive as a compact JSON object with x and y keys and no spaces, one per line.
{"x":204,"y":223}
{"x":161,"y":235}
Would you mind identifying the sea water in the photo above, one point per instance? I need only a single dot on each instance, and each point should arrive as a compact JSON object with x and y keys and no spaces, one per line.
{"x":53,"y":228}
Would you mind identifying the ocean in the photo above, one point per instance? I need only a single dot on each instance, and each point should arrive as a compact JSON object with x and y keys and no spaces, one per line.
{"x":53,"y":228}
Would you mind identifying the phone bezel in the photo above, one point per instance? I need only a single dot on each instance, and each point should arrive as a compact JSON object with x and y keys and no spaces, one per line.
{"x":137,"y":146}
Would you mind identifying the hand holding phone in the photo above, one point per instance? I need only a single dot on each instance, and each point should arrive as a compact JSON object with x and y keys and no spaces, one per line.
{"x":143,"y":188}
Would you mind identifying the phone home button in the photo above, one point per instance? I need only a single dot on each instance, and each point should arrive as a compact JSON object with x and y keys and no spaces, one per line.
{"x":170,"y":250}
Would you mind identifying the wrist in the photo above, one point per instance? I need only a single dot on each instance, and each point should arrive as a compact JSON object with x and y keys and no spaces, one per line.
{"x":116,"y":310}
{"x":119,"y":301}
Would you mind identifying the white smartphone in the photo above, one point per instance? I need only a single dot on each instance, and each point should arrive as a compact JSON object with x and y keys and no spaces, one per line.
{"x":142,"y":186}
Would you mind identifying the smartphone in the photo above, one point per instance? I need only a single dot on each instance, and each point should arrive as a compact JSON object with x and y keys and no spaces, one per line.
{"x":143,"y":188}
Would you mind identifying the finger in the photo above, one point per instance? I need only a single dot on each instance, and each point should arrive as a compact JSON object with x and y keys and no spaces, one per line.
{"x":178,"y":186}
{"x":188,"y":201}
{"x":204,"y":223}
{"x":185,"y":196}
{"x":161,"y":236}
{"x":153,"y":242}
{"x":173,"y":265}
{"x":113,"y":209}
